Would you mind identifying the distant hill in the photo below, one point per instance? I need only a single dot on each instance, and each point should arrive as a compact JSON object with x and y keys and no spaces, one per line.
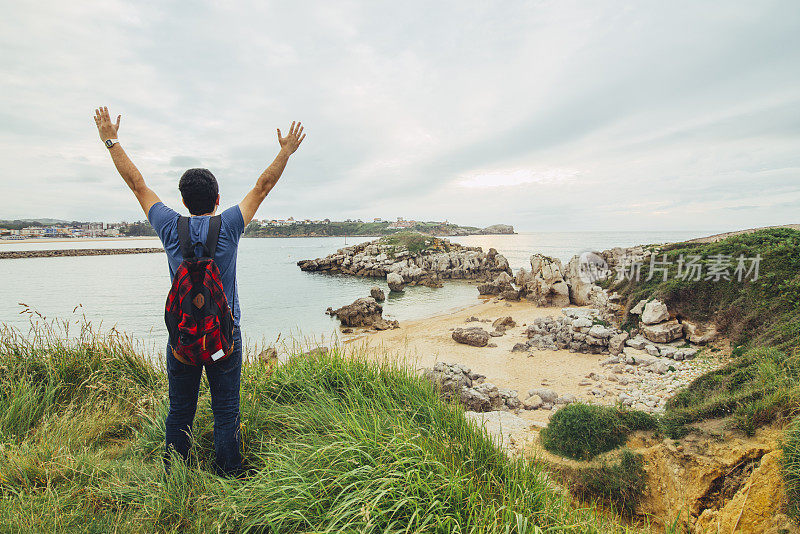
{"x":717,"y":237}
{"x":346,"y":228}
{"x":44,"y":221}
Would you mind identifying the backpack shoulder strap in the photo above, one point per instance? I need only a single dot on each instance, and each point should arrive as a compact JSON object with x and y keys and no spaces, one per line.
{"x":214,"y":225}
{"x":187,"y":250}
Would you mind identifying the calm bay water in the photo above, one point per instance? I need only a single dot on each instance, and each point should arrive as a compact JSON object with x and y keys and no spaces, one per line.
{"x":128,"y":291}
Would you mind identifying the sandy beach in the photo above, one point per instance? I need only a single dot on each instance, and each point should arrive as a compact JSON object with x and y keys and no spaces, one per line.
{"x":421,"y":343}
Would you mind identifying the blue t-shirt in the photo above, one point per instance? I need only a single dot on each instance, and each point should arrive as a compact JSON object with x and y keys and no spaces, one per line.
{"x":165,"y":223}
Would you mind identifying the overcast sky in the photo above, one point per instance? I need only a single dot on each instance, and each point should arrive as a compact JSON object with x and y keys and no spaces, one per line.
{"x":551,"y":115}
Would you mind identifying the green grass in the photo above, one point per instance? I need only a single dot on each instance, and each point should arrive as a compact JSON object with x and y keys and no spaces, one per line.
{"x":335,"y":443}
{"x":582,"y":431}
{"x":754,"y":388}
{"x":765,"y":312}
{"x":761,"y":317}
{"x":791,"y":468}
{"x":414,"y":242}
{"x":620,"y":484}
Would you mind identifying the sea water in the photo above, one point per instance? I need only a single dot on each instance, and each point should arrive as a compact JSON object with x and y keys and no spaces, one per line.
{"x":128,"y":292}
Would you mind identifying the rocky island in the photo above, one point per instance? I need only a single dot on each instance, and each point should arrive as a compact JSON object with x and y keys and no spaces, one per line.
{"x":414,"y":259}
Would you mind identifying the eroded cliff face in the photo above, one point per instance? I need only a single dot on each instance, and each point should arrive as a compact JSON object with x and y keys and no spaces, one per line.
{"x":725,"y":480}
{"x":713,"y":480}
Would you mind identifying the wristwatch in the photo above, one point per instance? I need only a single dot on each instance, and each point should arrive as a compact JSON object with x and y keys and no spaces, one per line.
{"x":110,"y":142}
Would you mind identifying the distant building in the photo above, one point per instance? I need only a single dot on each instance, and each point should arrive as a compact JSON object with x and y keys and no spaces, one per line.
{"x":377,"y":219}
{"x":400,"y":223}
{"x":32,"y":231}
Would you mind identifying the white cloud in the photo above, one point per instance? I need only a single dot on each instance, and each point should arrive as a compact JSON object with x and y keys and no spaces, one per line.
{"x":618,"y":115}
{"x":515,"y":177}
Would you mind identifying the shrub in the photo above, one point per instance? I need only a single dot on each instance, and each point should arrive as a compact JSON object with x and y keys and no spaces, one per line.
{"x":621,"y":484}
{"x":791,"y":468}
{"x":582,"y":431}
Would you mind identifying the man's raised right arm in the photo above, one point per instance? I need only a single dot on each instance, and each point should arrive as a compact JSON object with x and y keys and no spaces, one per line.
{"x":249,"y":205}
{"x":125,"y":167}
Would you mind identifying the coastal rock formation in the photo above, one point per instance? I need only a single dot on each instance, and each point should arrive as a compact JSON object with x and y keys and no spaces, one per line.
{"x":395,"y":282}
{"x":457,"y":382}
{"x":663,"y":332}
{"x":579,"y":287}
{"x":450,"y":378}
{"x":577,"y":330}
{"x":498,"y":229}
{"x":416,"y":258}
{"x":364,"y":312}
{"x":497,"y":286}
{"x":473,"y":335}
{"x":504,"y":323}
{"x":544,"y":284}
{"x":377,"y":293}
{"x":654,"y":312}
{"x":699,"y":334}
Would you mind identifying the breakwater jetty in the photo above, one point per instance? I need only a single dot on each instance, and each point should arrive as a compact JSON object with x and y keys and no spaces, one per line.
{"x":18,"y":254}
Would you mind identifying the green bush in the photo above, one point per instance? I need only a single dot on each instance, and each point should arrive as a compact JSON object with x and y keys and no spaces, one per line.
{"x":620,"y":484}
{"x":791,"y":468}
{"x":582,"y":431}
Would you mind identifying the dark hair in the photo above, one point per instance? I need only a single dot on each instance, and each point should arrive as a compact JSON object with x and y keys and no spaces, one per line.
{"x":199,"y":190}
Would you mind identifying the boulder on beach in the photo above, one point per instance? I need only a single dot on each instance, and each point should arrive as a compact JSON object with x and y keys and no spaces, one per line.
{"x":449,"y":378}
{"x":663,"y":332}
{"x":395,"y":282}
{"x":617,"y":342}
{"x":504,"y":322}
{"x":699,"y":334}
{"x":655,"y":312}
{"x":377,"y":293}
{"x":473,"y":335}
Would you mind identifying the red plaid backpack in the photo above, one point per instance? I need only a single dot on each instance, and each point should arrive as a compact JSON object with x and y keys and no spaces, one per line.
{"x":199,"y":320}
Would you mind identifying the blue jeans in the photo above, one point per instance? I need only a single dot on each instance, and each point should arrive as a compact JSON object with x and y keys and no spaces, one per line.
{"x":223,"y":377}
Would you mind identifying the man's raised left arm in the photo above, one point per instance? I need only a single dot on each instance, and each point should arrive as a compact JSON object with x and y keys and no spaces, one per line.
{"x":133,"y":178}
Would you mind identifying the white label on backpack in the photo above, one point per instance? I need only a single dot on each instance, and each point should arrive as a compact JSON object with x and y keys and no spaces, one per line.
{"x":217,"y":355}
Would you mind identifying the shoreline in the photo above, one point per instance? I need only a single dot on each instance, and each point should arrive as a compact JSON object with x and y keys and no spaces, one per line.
{"x":420,"y":343}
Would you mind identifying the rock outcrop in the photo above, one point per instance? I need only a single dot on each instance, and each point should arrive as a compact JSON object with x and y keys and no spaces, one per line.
{"x":428,"y":261}
{"x":377,"y":293}
{"x":457,"y":382}
{"x":663,"y":332}
{"x":497,"y":229}
{"x":58,"y":253}
{"x":577,"y":330}
{"x":699,"y":334}
{"x":395,"y":282}
{"x":500,"y":284}
{"x":544,"y":284}
{"x":655,"y":312}
{"x":363,"y":312}
{"x":473,"y":335}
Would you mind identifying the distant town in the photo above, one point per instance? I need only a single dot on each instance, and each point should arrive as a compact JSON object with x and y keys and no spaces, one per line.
{"x":56,"y":229}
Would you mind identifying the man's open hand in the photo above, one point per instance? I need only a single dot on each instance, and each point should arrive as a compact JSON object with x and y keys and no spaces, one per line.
{"x":291,"y":141}
{"x":106,"y":128}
